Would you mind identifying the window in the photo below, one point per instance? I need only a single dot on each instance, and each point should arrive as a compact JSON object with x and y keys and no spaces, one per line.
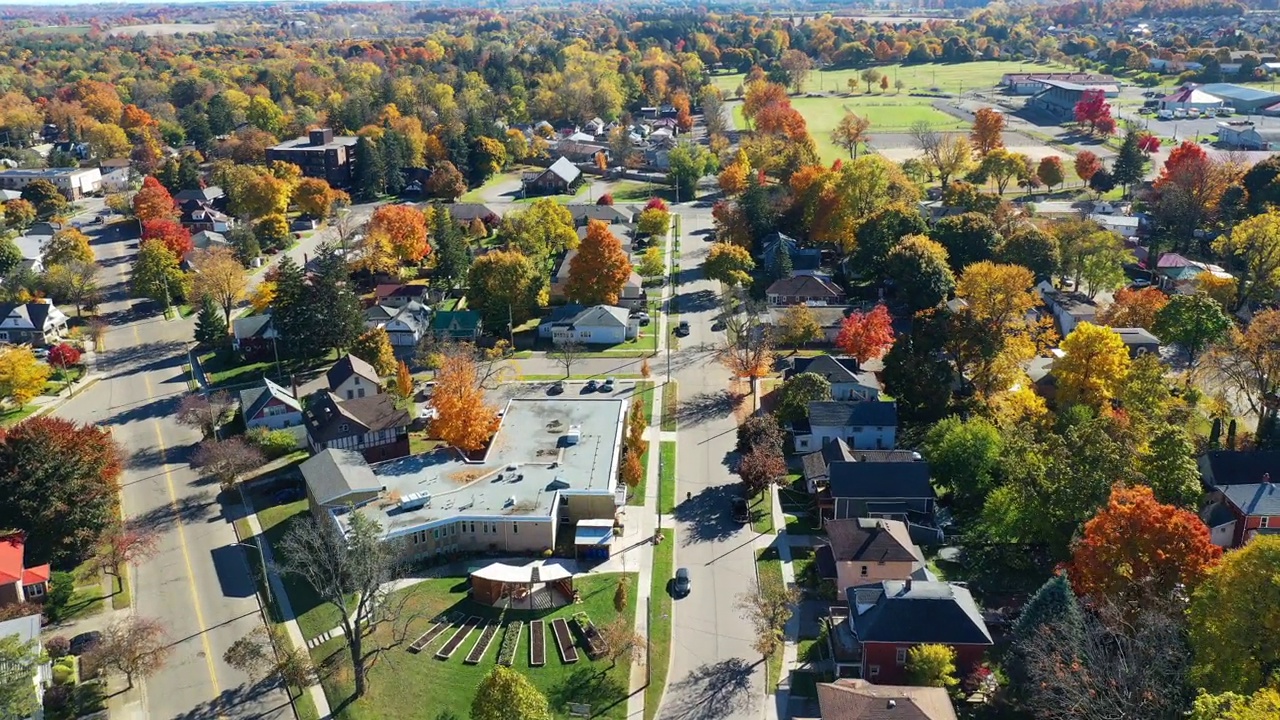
{"x":33,"y":591}
{"x":901,"y":658}
{"x":473,"y":527}
{"x":864,"y":571}
{"x":515,"y":528}
{"x":1264,"y":522}
{"x":360,"y":392}
{"x":435,"y":534}
{"x":875,"y":671}
{"x":350,"y":395}
{"x":344,"y":427}
{"x":357,"y":379}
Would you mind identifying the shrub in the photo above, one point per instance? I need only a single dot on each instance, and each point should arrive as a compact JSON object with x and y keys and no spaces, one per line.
{"x":272,"y":443}
{"x":605,"y":199}
{"x":62,"y":674}
{"x":58,"y":647}
{"x":61,"y":587}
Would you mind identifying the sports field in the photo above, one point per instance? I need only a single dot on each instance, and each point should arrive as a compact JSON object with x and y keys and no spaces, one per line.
{"x":952,"y":79}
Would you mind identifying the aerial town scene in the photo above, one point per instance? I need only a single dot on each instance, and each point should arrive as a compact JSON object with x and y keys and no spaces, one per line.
{"x":507,"y":360}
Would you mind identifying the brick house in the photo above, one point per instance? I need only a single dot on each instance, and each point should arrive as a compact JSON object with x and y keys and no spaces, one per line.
{"x":18,"y":582}
{"x":1236,"y":513}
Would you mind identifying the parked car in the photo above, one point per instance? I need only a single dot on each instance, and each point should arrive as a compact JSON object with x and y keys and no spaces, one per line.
{"x":591,"y":386}
{"x":681,"y":587}
{"x":683,"y":328}
{"x":85,"y":641}
{"x":607,"y":386}
{"x":741,"y":513}
{"x":556,"y":388}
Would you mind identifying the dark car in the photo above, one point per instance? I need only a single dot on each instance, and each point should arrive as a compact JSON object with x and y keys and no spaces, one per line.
{"x":741,"y":514}
{"x":680,"y":587}
{"x":84,"y":642}
{"x":556,"y":388}
{"x":683,"y":328}
{"x":591,"y":386}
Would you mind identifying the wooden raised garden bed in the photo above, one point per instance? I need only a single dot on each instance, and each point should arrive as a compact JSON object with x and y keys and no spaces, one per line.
{"x":537,"y":643}
{"x":433,"y":632}
{"x":482,"y":645}
{"x":596,"y":646}
{"x":459,"y":636}
{"x":564,"y":641}
{"x":510,"y":643}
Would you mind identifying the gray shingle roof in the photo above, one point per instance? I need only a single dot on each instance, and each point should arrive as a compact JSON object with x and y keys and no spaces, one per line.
{"x":808,"y":286}
{"x":1216,"y":515}
{"x":880,"y":480}
{"x":1254,"y":499}
{"x":849,"y":699}
{"x":565,"y":170}
{"x":919,"y":612}
{"x":836,"y":370}
{"x":334,"y":474}
{"x":347,"y":366}
{"x":831,"y":413}
{"x":871,"y":540}
{"x":254,"y":399}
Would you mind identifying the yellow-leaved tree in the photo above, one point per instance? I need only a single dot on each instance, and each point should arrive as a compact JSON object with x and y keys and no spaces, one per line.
{"x":463,"y":418}
{"x":22,"y":376}
{"x":1094,"y":367}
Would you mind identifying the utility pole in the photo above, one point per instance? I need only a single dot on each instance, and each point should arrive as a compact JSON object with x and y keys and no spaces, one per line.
{"x":262,"y":560}
{"x":511,"y":330}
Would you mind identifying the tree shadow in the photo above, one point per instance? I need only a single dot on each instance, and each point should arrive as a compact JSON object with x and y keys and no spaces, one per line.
{"x":711,"y":691}
{"x":145,"y":410}
{"x":257,"y":700}
{"x":588,"y":686}
{"x":706,"y":406}
{"x":688,"y":275}
{"x":187,"y":509}
{"x":708,"y":515}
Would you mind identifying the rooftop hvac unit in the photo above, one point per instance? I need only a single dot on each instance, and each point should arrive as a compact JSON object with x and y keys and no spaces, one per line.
{"x":414,"y":501}
{"x":575,"y":434}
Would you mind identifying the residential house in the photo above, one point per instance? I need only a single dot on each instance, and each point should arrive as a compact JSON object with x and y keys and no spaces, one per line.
{"x":611,"y":214}
{"x":405,"y":326}
{"x":848,"y":380}
{"x":27,"y":631}
{"x":320,"y":154}
{"x":869,"y":425}
{"x":804,"y":261}
{"x":561,"y":177}
{"x":33,"y":242}
{"x":38,"y":323}
{"x":888,"y":618}
{"x":1254,"y":508}
{"x":830,"y":319}
{"x":857,"y":699}
{"x":464,"y":213}
{"x":351,"y":378}
{"x":397,"y":296}
{"x":891,"y":490}
{"x":1126,"y":226}
{"x":336,"y":479}
{"x":19,"y":582}
{"x":1176,"y":274}
{"x":456,"y":325}
{"x":815,"y":466}
{"x":211,"y":194}
{"x":206,"y":239}
{"x":804,"y":290}
{"x":197,"y":215}
{"x":1140,"y":341}
{"x":595,"y":325}
{"x":371,"y":424}
{"x":117,"y":175}
{"x":254,"y":337}
{"x":73,"y":183}
{"x":1069,"y":309}
{"x":271,"y":406}
{"x":868,"y":550}
{"x":1237,"y":467}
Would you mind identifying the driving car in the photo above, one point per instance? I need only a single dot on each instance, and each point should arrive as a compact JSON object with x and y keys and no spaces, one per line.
{"x":681,"y":586}
{"x":683,"y":328}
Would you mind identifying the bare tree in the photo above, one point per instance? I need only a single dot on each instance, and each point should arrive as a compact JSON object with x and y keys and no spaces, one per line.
{"x":359,"y":565}
{"x":567,"y":354}
{"x":124,"y":543}
{"x":622,"y":641}
{"x":206,"y":412}
{"x":346,"y":227}
{"x":227,"y":459}
{"x":135,"y":645}
{"x":265,"y":652}
{"x":927,"y":141}
{"x":747,"y":349}
{"x":768,"y":608}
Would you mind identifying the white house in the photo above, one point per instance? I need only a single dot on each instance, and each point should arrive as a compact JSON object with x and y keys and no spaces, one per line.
{"x":596,"y":325}
{"x":1069,"y":309}
{"x":73,"y":183}
{"x":407,"y":325}
{"x":871,"y":425}
{"x":270,"y":406}
{"x":117,"y":174}
{"x":352,"y":378}
{"x":1126,"y":226}
{"x":849,"y":381}
{"x":38,"y":323}
{"x":27,"y":631}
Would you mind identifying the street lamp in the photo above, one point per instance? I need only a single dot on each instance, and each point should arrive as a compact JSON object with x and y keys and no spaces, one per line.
{"x":262,"y":559}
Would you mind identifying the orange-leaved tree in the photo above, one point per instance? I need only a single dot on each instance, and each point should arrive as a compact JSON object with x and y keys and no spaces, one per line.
{"x":1137,"y":547}
{"x":1134,"y":308}
{"x":405,"y":228}
{"x":169,"y":232}
{"x":988,"y":126}
{"x":866,"y":336}
{"x":600,"y":269}
{"x":153,"y":202}
{"x":463,"y":418}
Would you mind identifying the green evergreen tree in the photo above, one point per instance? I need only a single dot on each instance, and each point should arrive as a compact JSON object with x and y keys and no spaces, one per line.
{"x":1129,"y":164}
{"x":1053,"y":610}
{"x":245,"y":242}
{"x":370,"y":179}
{"x":395,"y":156}
{"x":452,"y":258}
{"x":785,"y":264}
{"x":758,"y":212}
{"x":188,"y":173}
{"x":211,"y":326}
{"x":291,"y":312}
{"x":336,"y":317}
{"x":10,"y":255}
{"x":221,"y":114}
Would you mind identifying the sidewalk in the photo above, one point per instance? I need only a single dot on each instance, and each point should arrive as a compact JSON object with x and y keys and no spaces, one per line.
{"x":46,"y":404}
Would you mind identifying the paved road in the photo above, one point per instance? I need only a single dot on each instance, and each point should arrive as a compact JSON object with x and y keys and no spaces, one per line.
{"x":199,"y":583}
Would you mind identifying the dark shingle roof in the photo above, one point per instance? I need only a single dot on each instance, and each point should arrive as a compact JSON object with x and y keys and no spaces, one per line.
{"x":1217,"y":514}
{"x":329,"y":418}
{"x":830,"y":413}
{"x":835,"y":370}
{"x":252,"y":326}
{"x":254,"y":399}
{"x":1233,"y":467}
{"x":334,"y":474}
{"x":809,"y":286}
{"x":613,"y":215}
{"x":880,"y":480}
{"x":1254,"y":499}
{"x":918,"y":612}
{"x":347,"y":366}
{"x":849,"y":699}
{"x":871,"y":540}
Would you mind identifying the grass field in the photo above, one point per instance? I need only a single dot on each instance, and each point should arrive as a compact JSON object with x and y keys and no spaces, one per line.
{"x":664,"y":562}
{"x":769,"y":571}
{"x":403,"y":685}
{"x":667,"y":478}
{"x":953,"y":78}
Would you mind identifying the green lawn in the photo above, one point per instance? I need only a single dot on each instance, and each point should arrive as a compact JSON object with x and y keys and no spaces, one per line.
{"x":769,"y":570}
{"x":58,"y":381}
{"x":634,"y":191}
{"x":670,"y":405}
{"x":644,"y":396}
{"x":949,"y":78}
{"x":667,"y":478}
{"x":806,"y":525}
{"x":762,"y":513}
{"x":660,"y":621}
{"x":14,"y":416}
{"x":404,"y":685}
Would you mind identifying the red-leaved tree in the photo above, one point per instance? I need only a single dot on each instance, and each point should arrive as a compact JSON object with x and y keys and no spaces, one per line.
{"x":64,"y":355}
{"x":1087,"y":165}
{"x":1137,"y":547}
{"x":153,"y":201}
{"x":656,"y":204}
{"x":1092,"y":108}
{"x":866,"y":336}
{"x":605,"y":199}
{"x":125,"y":543}
{"x":171,"y":233}
{"x":1148,"y":143}
{"x":759,"y":468}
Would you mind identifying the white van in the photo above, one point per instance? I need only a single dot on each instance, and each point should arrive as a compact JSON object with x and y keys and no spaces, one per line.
{"x":1179,"y":114}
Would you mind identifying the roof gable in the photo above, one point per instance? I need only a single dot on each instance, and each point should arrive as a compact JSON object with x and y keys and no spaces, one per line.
{"x":917,"y":612}
{"x":334,"y":474}
{"x":881,"y":480}
{"x":871,"y":540}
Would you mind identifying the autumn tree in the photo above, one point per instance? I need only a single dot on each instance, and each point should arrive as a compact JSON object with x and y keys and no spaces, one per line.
{"x":968,"y":238}
{"x":156,"y":274}
{"x":45,"y":197}
{"x":1134,"y":308}
{"x":797,"y":326}
{"x":932,"y":666}
{"x":404,"y":381}
{"x":446,"y":181}
{"x":1095,"y":363}
{"x":733,"y":178}
{"x":653,"y":222}
{"x":1136,"y":546}
{"x":68,"y":245}
{"x":631,"y":471}
{"x":504,"y":286}
{"x":1232,"y":617}
{"x":1087,"y":164}
{"x":134,"y":645}
{"x":1254,"y":246}
{"x":542,"y":231}
{"x":1094,"y":110}
{"x":991,"y":335}
{"x":220,"y":276}
{"x":1188,"y":193}
{"x":226,"y":460}
{"x":599,"y":270}
{"x":1248,"y":363}
{"x":730,"y":264}
{"x":153,"y":202}
{"x":169,"y":233}
{"x":374,"y":347}
{"x":464,"y":419}
{"x":1261,"y":705}
{"x":768,"y":609}
{"x":747,"y":350}
{"x":1192,"y":322}
{"x":22,"y":376}
{"x":918,"y":267}
{"x":1033,"y":249}
{"x":988,"y":130}
{"x":314,"y":197}
{"x":652,"y":263}
{"x":851,"y":132}
{"x":866,"y":336}
{"x":1001,"y":166}
{"x":124,"y":543}
{"x":505,"y":694}
{"x":1050,"y":171}
{"x":405,"y":228}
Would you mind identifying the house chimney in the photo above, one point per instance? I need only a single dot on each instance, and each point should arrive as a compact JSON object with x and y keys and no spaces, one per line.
{"x":1266,"y":478}
{"x":907,"y":585}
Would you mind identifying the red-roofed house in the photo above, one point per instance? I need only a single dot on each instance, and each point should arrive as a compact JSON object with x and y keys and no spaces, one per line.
{"x":19,"y":583}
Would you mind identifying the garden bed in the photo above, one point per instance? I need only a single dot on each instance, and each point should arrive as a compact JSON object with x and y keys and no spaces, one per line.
{"x":482,"y":645}
{"x":596,"y":646}
{"x":433,"y":632}
{"x":537,"y":643}
{"x":510,"y":643}
{"x":458,"y":637}
{"x":564,"y":641}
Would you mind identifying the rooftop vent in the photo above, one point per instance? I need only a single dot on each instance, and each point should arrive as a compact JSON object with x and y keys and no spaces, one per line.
{"x":414,"y":501}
